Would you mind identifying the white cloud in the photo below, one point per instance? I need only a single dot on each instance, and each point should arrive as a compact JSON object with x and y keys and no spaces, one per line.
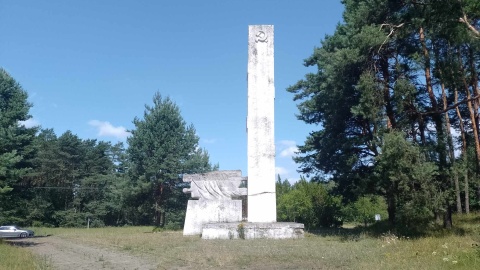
{"x":29,"y":123}
{"x":105,"y":129}
{"x":289,"y":152}
{"x":286,"y":175}
{"x":282,"y":171}
{"x":286,"y":167}
{"x":287,"y":148}
{"x":209,"y":141}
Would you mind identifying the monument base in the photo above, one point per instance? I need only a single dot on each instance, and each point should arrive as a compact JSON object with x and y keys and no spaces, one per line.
{"x":253,"y":230}
{"x":200,"y":212}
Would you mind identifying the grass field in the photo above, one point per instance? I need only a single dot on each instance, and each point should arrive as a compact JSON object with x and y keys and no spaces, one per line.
{"x":16,"y":258}
{"x":326,"y":249}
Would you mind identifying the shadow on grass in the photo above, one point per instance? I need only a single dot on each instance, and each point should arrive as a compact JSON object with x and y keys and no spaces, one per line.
{"x":383,"y":229}
{"x":468,"y":219}
{"x":462,"y":225}
{"x":356,"y":233}
{"x":23,"y":242}
{"x":345,"y":234}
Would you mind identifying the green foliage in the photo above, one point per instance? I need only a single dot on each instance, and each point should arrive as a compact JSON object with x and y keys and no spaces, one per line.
{"x":241,"y":231}
{"x":296,"y":206}
{"x":282,"y":187}
{"x":162,"y":148}
{"x":14,"y":257}
{"x":407,"y":181}
{"x":73,"y":180}
{"x":365,"y":208}
{"x":16,"y":149}
{"x":162,"y":142}
{"x":384,"y":71}
{"x":380,"y":130}
{"x":308,"y":203}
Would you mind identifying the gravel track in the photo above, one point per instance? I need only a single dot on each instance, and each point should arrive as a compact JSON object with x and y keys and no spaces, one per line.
{"x":65,"y":254}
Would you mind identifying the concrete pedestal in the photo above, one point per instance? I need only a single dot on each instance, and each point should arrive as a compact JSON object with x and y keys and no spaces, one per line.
{"x":200,"y":212}
{"x":253,"y":230}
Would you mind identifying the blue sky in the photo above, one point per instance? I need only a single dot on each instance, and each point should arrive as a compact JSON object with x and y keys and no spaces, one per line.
{"x":91,"y":66}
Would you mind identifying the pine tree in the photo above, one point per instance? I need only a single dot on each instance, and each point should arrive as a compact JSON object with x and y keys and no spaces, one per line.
{"x":163,"y":147}
{"x":16,"y":149}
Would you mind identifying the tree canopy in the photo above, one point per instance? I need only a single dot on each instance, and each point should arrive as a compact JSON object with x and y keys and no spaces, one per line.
{"x":394,"y":105}
{"x":50,"y":180}
{"x":405,"y":68}
{"x":161,"y":149}
{"x":16,"y":149}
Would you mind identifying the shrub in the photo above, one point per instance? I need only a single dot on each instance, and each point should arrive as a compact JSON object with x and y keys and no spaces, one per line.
{"x":309,"y":203}
{"x":365,"y":208}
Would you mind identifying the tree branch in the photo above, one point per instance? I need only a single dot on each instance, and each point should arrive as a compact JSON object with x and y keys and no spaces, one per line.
{"x":451,"y":107}
{"x":471,"y":27}
{"x":392,"y":31}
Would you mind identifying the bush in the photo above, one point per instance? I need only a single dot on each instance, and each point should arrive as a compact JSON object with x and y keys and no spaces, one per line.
{"x":330,"y":212}
{"x":309,"y":203}
{"x":365,"y":208}
{"x":96,"y":223}
{"x":70,"y":218}
{"x":37,"y":223}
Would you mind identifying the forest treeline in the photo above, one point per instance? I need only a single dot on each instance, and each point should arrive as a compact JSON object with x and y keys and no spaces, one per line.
{"x":394,"y":105}
{"x":66,"y":181}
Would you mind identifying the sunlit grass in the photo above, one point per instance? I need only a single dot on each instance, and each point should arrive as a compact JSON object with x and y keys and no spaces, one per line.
{"x":16,"y":258}
{"x":349,"y":248}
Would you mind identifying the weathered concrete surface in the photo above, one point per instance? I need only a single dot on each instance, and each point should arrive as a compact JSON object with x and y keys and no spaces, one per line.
{"x":260,"y":125}
{"x":248,"y":230}
{"x":217,"y":193}
{"x":200,"y":212}
{"x":217,"y":185}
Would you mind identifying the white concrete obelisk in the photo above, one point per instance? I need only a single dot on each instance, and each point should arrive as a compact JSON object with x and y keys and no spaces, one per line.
{"x":260,"y":127}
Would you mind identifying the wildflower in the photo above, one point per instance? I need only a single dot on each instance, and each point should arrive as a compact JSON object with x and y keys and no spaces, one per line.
{"x":445,"y":259}
{"x":434,"y":253}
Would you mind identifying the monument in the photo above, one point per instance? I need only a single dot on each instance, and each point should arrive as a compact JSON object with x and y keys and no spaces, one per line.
{"x":262,"y":212}
{"x":217,"y":198}
{"x":260,"y":130}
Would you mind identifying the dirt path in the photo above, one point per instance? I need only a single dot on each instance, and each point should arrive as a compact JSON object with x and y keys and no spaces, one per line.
{"x":66,"y":255}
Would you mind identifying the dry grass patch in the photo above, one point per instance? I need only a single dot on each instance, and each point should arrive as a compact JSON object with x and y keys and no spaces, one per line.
{"x":16,"y":258}
{"x":339,"y":249}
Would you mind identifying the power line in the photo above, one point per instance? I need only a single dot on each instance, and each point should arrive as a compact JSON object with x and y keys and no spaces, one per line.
{"x":75,"y":188}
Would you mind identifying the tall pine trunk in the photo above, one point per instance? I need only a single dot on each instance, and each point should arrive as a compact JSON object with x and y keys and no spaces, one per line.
{"x":159,"y":206}
{"x":391,"y":209}
{"x":476,"y":104}
{"x":451,"y":150}
{"x":464,"y":154}
{"x":471,"y":111}
{"x":391,"y":123}
{"x":436,"y":117}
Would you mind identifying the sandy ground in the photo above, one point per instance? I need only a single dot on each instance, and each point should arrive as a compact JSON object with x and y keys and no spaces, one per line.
{"x":64,"y":254}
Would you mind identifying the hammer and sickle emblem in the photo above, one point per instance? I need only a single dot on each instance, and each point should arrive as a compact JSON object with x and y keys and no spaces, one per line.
{"x":261,"y":37}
